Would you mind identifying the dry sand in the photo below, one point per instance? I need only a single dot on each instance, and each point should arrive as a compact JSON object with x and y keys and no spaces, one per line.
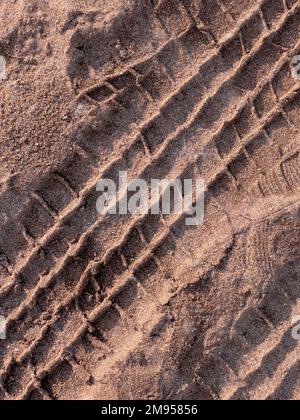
{"x":124,"y":307}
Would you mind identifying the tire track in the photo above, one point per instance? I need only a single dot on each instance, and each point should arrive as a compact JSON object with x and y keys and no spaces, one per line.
{"x":106,"y":319}
{"x":106,"y":308}
{"x":289,"y":386}
{"x":260,"y":346}
{"x":83,"y":163}
{"x":87,"y":235}
{"x":89,"y":192}
{"x":273,"y":363}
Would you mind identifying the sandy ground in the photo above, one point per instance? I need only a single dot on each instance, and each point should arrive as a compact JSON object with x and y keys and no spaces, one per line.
{"x":124,"y":307}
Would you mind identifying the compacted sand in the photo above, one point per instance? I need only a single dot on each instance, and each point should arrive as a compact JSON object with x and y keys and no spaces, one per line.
{"x":123,"y":307}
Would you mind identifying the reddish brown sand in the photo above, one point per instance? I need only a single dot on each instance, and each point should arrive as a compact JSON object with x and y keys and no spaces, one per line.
{"x":145,"y":307}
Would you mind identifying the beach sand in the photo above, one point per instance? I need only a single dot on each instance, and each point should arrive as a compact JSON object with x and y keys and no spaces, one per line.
{"x":146,"y":307}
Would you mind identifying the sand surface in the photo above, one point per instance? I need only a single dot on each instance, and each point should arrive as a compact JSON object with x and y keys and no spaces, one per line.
{"x":127,"y":307}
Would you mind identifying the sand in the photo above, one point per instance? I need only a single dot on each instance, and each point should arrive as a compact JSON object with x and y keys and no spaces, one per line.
{"x":145,"y":307}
